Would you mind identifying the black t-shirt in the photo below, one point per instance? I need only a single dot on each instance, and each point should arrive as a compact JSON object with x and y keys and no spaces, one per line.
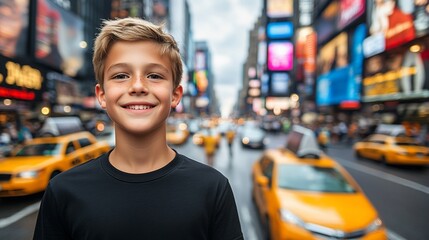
{"x":183,"y":200}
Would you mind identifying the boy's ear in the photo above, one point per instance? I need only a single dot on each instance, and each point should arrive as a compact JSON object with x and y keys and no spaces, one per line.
{"x":177,"y":96}
{"x":99,"y":94}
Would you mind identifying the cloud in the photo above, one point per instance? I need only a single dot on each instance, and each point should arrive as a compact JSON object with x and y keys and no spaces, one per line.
{"x":225,"y":25}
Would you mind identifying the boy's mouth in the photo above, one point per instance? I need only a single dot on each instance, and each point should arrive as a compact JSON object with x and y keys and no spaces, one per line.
{"x":139,"y":107}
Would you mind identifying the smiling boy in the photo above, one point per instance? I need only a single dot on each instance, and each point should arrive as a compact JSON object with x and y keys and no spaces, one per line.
{"x":142,"y":189}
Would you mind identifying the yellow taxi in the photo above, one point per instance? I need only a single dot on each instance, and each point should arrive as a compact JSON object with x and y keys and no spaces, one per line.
{"x":392,"y":150}
{"x":177,"y":134}
{"x":30,"y":166}
{"x":301,"y":193}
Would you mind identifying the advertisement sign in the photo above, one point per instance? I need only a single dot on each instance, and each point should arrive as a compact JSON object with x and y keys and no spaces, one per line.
{"x":280,"y":83}
{"x":398,"y":21}
{"x":279,"y":8}
{"x":59,"y":34}
{"x":326,"y":24}
{"x":157,"y":11}
{"x":402,"y":74}
{"x":340,"y":79}
{"x":280,"y":56}
{"x":20,"y":81}
{"x":13,"y":27}
{"x":280,"y":30}
{"x":334,"y":54}
{"x":200,"y":60}
{"x":350,"y":10}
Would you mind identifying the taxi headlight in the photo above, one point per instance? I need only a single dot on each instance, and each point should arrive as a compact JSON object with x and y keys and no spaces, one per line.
{"x":28,"y":174}
{"x":245,"y":140}
{"x":375,"y":225}
{"x":291,"y":218}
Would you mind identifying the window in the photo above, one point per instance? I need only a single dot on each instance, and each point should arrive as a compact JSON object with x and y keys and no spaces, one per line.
{"x":83,"y":142}
{"x":70,"y":148}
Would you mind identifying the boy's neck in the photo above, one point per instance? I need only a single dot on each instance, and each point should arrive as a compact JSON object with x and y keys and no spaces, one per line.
{"x":141,"y":155}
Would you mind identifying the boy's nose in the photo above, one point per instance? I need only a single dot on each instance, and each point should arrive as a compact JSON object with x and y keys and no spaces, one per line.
{"x":138,"y":85}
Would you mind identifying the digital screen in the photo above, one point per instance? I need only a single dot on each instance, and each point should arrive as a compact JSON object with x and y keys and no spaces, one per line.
{"x":401,"y":74}
{"x":279,"y":8}
{"x":59,"y":34}
{"x":278,"y":30}
{"x":334,"y":54}
{"x":280,"y":56}
{"x":13,"y":27}
{"x":157,"y":12}
{"x":350,"y":10}
{"x":280,"y":83}
{"x":399,"y":21}
{"x":326,"y":24}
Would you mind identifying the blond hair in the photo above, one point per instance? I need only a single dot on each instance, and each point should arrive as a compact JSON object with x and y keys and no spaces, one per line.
{"x":134,"y":29}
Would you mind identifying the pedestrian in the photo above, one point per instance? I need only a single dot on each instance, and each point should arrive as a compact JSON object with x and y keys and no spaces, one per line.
{"x":230,"y":135}
{"x":142,"y":188}
{"x":209,"y":141}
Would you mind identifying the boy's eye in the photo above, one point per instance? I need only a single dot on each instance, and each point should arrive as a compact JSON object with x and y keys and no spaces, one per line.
{"x":154,"y":76}
{"x":120,"y":76}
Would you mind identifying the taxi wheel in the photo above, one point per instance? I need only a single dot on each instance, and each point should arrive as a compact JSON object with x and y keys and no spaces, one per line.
{"x":267,"y":232}
{"x":358,"y":155}
{"x":383,"y":160}
{"x":54,"y":173}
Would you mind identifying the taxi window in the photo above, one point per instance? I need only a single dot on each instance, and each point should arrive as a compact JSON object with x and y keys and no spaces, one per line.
{"x":267,"y":167}
{"x":45,"y":149}
{"x":83,"y":142}
{"x":312,"y":178}
{"x":70,"y":148}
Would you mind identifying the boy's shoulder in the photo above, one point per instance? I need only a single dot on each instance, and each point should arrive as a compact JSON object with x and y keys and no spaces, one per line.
{"x":198,"y":169}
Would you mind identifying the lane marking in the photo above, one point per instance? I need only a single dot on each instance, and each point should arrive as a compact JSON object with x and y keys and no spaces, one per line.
{"x":4,"y":222}
{"x":386,"y":176}
{"x":247,"y":219}
{"x":394,"y":236}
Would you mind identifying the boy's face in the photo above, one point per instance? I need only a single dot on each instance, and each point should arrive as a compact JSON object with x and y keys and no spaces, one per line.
{"x":138,"y":89}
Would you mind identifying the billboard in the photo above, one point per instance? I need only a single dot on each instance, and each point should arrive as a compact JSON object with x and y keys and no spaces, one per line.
{"x":280,"y":56}
{"x":280,"y":84}
{"x":279,"y":30}
{"x":279,"y":8}
{"x":59,"y":34}
{"x":13,"y":27}
{"x":399,"y":74}
{"x":334,"y":54}
{"x":157,"y":11}
{"x":350,"y":10}
{"x":398,"y":21}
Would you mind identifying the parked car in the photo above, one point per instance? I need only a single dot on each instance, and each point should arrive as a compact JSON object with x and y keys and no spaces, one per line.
{"x":392,"y":150}
{"x":30,"y":166}
{"x":301,"y":193}
{"x":253,"y":137}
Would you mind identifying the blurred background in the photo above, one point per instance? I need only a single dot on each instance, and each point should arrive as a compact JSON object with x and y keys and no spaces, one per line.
{"x":346,"y":69}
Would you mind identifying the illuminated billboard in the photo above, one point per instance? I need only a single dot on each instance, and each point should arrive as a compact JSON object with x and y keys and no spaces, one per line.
{"x":399,"y":74}
{"x":59,"y":37}
{"x":279,"y":8}
{"x":397,"y":22}
{"x":13,"y":27}
{"x":280,"y":56}
{"x":334,"y":54}
{"x":280,"y":30}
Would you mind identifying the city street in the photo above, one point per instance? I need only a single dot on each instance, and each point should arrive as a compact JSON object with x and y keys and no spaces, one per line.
{"x":400,"y":194}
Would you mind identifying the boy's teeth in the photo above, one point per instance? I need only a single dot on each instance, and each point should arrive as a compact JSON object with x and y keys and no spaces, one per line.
{"x":139,"y":107}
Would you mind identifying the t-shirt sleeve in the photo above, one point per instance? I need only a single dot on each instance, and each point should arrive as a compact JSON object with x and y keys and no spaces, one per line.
{"x":49,"y":225}
{"x":226,"y":224}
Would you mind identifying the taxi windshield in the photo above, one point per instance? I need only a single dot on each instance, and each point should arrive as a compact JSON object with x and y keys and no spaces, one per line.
{"x":45,"y":149}
{"x":312,"y":178}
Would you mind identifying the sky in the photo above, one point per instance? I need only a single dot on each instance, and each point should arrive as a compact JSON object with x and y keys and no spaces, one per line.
{"x":225,"y":25}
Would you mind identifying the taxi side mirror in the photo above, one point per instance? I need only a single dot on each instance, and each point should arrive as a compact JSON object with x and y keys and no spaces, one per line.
{"x":262,"y":181}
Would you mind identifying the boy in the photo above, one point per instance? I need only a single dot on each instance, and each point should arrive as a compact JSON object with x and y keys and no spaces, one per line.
{"x":142,"y":189}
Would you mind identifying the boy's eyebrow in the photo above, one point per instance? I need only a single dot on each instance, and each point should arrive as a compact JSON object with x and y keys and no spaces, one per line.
{"x":150,"y":65}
